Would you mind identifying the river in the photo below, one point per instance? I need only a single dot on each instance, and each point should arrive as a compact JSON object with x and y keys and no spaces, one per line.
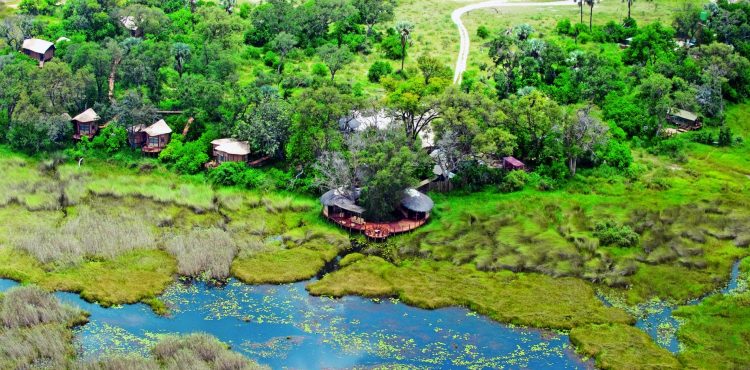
{"x":284,"y":327}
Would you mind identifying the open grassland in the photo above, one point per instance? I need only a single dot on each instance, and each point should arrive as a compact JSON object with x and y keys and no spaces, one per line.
{"x":118,"y":235}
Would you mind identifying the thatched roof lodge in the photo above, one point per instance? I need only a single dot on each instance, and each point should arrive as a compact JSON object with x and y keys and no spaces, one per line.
{"x":85,"y":124}
{"x":230,"y":150}
{"x":340,"y":206}
{"x":38,"y":49}
{"x":151,"y":139}
{"x":156,"y":137}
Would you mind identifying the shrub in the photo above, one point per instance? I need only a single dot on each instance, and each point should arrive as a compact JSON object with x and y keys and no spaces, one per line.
{"x":391,"y":47}
{"x":610,"y":233}
{"x":672,"y":147}
{"x":270,"y":59}
{"x":725,"y":136}
{"x":514,"y":181}
{"x":227,"y":173}
{"x":187,"y":157}
{"x":207,"y":252}
{"x":379,"y":69}
{"x":701,"y":137}
{"x":111,"y":139}
{"x":564,"y":27}
{"x":617,"y":154}
{"x":320,"y":70}
{"x":483,"y":32}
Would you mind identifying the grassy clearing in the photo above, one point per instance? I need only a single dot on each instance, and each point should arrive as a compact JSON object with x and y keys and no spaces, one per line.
{"x":617,"y":346}
{"x":715,"y":333}
{"x":521,"y":299}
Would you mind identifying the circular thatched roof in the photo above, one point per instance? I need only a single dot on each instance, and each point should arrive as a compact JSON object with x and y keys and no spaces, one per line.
{"x":416,"y":201}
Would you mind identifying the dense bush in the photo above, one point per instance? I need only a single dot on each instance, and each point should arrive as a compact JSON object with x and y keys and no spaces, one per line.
{"x":616,"y":154}
{"x":379,"y":69}
{"x":673,"y":148}
{"x":187,"y":157}
{"x":483,"y":32}
{"x":610,"y":233}
{"x":514,"y":181}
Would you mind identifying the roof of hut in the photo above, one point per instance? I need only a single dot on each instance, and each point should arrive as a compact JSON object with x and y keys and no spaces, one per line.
{"x":129,"y":22}
{"x":232,"y":146}
{"x":37,"y":45}
{"x":416,"y":201}
{"x":87,"y":116}
{"x":158,"y":128}
{"x":688,"y":116}
{"x":342,"y":199}
{"x":513,"y":161}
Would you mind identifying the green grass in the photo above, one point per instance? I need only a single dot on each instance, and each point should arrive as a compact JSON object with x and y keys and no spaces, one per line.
{"x":132,"y":277}
{"x":618,"y":346}
{"x":716,"y":332}
{"x":522,"y":299}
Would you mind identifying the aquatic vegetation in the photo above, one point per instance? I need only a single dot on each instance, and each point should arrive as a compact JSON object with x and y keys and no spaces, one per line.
{"x":523,"y":299}
{"x":34,"y":329}
{"x":617,"y":346}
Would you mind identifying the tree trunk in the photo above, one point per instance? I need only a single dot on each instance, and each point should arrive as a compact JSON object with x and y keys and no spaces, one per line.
{"x":629,"y":4}
{"x":581,"y":3}
{"x":112,"y":74}
{"x":403,"y":53}
{"x":572,"y":163}
{"x":591,"y":16}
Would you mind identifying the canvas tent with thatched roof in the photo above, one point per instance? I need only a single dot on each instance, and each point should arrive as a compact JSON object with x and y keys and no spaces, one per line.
{"x":85,"y":124}
{"x":39,"y":49}
{"x":156,"y":137}
{"x":230,"y":150}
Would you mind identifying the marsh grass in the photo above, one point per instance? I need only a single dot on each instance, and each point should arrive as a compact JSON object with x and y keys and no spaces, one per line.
{"x":617,"y":346}
{"x":203,"y":252}
{"x":523,"y":299}
{"x":34,"y":330}
{"x":88,"y":234}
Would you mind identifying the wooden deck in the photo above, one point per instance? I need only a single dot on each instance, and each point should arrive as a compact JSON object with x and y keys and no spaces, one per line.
{"x":377,"y":230}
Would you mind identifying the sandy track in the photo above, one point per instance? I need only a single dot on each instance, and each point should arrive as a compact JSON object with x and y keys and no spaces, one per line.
{"x":463,"y":54}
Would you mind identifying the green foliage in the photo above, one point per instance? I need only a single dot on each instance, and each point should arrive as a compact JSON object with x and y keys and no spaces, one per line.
{"x":725,"y":136}
{"x":110,"y":139}
{"x":379,"y":69}
{"x":564,"y":27}
{"x":610,"y":233}
{"x":616,"y":154}
{"x":483,"y":32}
{"x":186,"y":157}
{"x":673,"y":148}
{"x":391,"y":47}
{"x":514,"y":181}
{"x":319,"y":69}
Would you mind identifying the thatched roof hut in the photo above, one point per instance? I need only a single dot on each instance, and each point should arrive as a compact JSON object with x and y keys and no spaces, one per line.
{"x":342,"y":199}
{"x":416,"y":201}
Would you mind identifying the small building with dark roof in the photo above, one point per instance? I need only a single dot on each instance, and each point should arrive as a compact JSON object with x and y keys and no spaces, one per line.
{"x":85,"y":124}
{"x":686,"y":120}
{"x":513,"y":164}
{"x":39,"y":49}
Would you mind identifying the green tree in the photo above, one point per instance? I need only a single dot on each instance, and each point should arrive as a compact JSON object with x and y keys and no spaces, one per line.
{"x":581,"y":135}
{"x":373,"y":12}
{"x":335,"y":57}
{"x":283,"y":43}
{"x":655,"y":93}
{"x":652,"y":42}
{"x":431,"y":67}
{"x":265,"y":125}
{"x":378,"y":70}
{"x":531,"y":118}
{"x":415,"y":103}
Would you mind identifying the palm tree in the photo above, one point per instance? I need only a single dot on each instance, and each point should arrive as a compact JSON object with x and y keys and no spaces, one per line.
{"x":404,"y":29}
{"x":590,"y":3}
{"x":181,"y":54}
{"x":630,"y":3}
{"x":580,"y":5}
